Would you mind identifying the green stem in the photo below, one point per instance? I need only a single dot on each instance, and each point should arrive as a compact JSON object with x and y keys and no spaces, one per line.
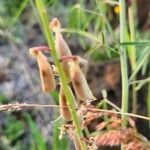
{"x":123,"y":58}
{"x":50,"y":40}
{"x":123,"y":61}
{"x":102,"y":12}
{"x":148,"y":100}
{"x":132,"y":54}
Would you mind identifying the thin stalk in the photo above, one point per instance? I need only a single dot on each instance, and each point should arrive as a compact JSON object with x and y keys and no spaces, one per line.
{"x":132,"y":54}
{"x":21,"y":106}
{"x":148,"y":100}
{"x":123,"y":58}
{"x":101,"y":9}
{"x":50,"y":40}
{"x":123,"y":61}
{"x":116,"y":112}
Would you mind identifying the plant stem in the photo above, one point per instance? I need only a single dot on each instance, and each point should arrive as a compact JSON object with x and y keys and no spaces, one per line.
{"x":102,"y":12}
{"x":148,"y":100}
{"x":132,"y":54}
{"x":123,"y":61}
{"x":123,"y":58}
{"x":50,"y":40}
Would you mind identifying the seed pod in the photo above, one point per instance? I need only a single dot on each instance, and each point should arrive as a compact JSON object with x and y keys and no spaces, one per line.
{"x":79,"y":82}
{"x":78,"y":79}
{"x":64,"y":110}
{"x":61,"y":46}
{"x":45,"y":69}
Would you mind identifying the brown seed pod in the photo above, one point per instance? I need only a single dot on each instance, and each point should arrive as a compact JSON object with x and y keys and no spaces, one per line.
{"x":61,"y":46}
{"x":45,"y":69}
{"x":79,"y":82}
{"x":78,"y":79}
{"x":64,"y":110}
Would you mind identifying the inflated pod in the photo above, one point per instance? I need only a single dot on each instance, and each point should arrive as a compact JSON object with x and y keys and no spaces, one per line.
{"x":61,"y":46}
{"x":64,"y":109}
{"x":45,"y":69}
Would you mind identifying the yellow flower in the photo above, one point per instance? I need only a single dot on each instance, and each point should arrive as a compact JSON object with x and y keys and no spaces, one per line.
{"x":117,"y":9}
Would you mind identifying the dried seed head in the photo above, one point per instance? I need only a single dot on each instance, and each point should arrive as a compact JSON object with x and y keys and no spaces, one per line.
{"x":45,"y":69}
{"x":64,"y":110}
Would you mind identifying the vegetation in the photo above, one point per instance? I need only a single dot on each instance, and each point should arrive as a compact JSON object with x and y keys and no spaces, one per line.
{"x":103,"y":31}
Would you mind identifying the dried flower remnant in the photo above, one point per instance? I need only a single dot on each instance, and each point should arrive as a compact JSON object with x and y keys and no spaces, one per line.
{"x":61,"y":46}
{"x":64,"y":110}
{"x":128,"y":136}
{"x":45,"y":69}
{"x":111,"y":138}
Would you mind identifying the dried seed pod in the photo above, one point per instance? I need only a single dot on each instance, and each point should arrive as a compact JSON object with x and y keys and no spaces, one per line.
{"x":64,"y":110}
{"x":78,"y":79}
{"x":45,"y":69}
{"x":79,"y":82}
{"x":61,"y":46}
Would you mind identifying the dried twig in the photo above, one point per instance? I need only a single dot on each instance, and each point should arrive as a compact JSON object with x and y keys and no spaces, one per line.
{"x":116,"y":112}
{"x":19,"y":106}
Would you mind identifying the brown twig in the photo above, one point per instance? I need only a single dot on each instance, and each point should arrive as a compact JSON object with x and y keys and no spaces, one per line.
{"x":19,"y":106}
{"x":116,"y":112}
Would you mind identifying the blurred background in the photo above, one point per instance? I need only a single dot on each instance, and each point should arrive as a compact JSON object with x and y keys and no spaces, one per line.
{"x":91,"y":28}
